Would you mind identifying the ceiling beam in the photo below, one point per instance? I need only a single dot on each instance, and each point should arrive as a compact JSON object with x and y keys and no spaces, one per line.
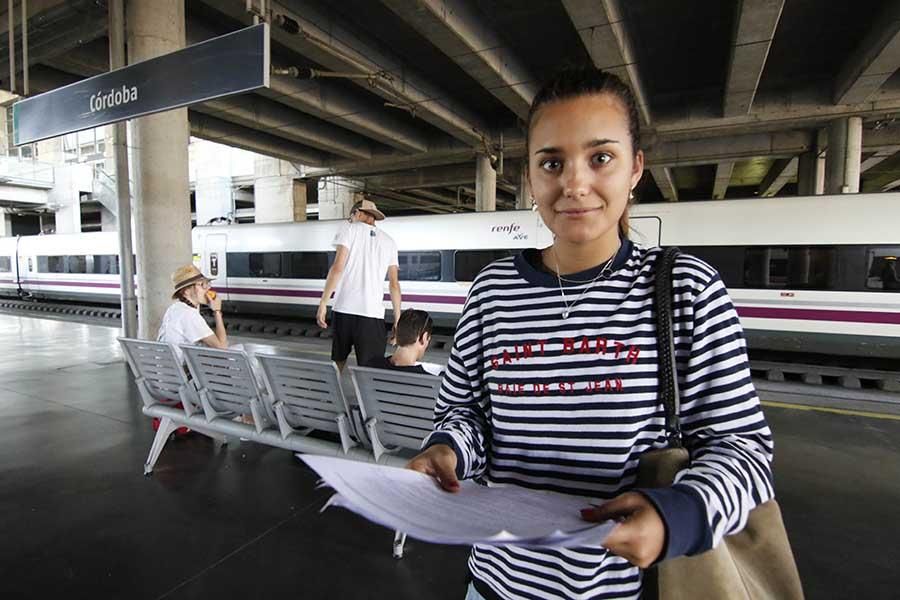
{"x":331,"y":102}
{"x":878,"y":157}
{"x":602,"y":30}
{"x":334,"y":45}
{"x":665,"y":182}
{"x":756,"y":24}
{"x":54,"y":28}
{"x":461,"y":34}
{"x":728,"y":149}
{"x":431,"y":177}
{"x":724,"y":171}
{"x":662,"y":153}
{"x":436,"y":195}
{"x":223,"y":132}
{"x":774,"y":112}
{"x":882,"y":177}
{"x":875,"y":59}
{"x":780,"y":173}
{"x":425,"y":205}
{"x":890,"y":186}
{"x":273,"y":118}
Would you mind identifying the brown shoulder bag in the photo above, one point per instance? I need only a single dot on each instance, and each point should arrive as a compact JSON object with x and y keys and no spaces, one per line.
{"x":753,"y":564}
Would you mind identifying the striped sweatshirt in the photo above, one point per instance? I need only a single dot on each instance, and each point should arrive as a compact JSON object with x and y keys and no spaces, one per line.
{"x":569,"y":405}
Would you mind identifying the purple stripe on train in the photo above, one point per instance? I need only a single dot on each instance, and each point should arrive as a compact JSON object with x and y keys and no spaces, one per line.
{"x":426,"y":298}
{"x":90,"y":284}
{"x":812,"y":314}
{"x":755,"y":312}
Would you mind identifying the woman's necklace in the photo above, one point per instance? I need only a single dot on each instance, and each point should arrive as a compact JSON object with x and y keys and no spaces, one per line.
{"x":607,"y":267}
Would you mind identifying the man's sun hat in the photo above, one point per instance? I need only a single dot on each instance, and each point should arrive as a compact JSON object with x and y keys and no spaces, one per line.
{"x":186,"y":276}
{"x":369,"y":207}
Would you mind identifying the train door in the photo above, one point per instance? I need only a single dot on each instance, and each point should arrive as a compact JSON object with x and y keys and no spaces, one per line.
{"x":215,"y":264}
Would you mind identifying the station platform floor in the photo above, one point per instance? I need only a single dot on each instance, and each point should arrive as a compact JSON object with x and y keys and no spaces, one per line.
{"x":79,"y":519}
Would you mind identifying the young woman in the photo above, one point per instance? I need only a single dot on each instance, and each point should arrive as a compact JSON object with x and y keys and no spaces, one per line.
{"x":552,"y":379}
{"x":182,"y":322}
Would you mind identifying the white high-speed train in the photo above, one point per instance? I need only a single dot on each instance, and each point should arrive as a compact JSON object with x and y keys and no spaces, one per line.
{"x":811,"y":274}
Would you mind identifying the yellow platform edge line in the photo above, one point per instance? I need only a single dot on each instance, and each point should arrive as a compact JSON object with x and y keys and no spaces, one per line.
{"x":838,"y":411}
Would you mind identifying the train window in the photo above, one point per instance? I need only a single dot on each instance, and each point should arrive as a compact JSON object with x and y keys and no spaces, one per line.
{"x":51,"y":264}
{"x":238,"y":264}
{"x":795,"y":267}
{"x":5,"y":264}
{"x":76,"y":264}
{"x":106,"y":264}
{"x":468,"y":263}
{"x":884,"y":270}
{"x":254,"y":264}
{"x":306,"y":265}
{"x":420,"y":266}
{"x":265,"y":264}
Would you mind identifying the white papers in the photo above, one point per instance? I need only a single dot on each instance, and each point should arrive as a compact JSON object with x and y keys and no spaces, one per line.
{"x":413,"y":503}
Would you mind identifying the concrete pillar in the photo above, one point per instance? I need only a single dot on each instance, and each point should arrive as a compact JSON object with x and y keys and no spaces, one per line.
{"x":278,"y":194}
{"x":279,"y":199}
{"x":842,"y":163}
{"x":213,"y":199}
{"x":336,"y":197}
{"x":160,"y":157}
{"x":5,"y":224}
{"x":69,"y":182}
{"x":523,"y":194}
{"x":485,"y":185}
{"x":811,"y":174}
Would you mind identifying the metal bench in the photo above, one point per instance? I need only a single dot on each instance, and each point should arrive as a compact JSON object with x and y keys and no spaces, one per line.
{"x":398,"y":411}
{"x":227,"y":386}
{"x":397,"y":408}
{"x":162,"y":384}
{"x":299,"y":396}
{"x":306,"y":396}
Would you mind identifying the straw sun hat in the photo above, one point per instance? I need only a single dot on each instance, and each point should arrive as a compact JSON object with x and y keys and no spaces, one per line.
{"x":186,"y":276}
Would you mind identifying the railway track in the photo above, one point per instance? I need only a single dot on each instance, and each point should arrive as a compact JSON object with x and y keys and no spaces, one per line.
{"x":774,"y":368}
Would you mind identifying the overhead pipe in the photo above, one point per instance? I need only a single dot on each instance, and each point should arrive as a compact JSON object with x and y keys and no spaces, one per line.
{"x":12,"y":47}
{"x":25,"y":88}
{"x":123,"y":187}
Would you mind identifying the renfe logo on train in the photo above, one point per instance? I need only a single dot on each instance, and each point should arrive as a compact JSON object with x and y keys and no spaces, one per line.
{"x":513,"y":230}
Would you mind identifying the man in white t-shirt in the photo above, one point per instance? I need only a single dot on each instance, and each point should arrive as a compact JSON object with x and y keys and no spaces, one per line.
{"x":364,"y":256}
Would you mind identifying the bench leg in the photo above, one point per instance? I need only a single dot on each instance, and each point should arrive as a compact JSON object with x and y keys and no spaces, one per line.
{"x":399,"y":542}
{"x":166,"y":427}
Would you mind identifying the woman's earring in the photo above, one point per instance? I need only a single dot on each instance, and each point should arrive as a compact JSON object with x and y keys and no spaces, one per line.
{"x":631,"y":194}
{"x":533,"y":205}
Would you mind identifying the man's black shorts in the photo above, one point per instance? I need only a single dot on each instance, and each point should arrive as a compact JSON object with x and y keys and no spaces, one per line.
{"x":366,"y":334}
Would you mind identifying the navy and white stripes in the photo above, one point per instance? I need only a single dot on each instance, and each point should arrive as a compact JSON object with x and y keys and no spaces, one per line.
{"x":570,"y":405}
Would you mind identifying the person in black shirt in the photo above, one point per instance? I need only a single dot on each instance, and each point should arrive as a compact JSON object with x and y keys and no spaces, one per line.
{"x":412,"y":338}
{"x":889,"y":280}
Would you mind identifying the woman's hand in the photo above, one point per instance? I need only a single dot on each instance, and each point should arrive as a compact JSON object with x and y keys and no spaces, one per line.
{"x":640,"y":535}
{"x":439,"y":461}
{"x":216,"y":303}
{"x":320,"y":316}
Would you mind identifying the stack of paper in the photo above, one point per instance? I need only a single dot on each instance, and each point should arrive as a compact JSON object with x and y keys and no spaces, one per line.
{"x":413,"y":503}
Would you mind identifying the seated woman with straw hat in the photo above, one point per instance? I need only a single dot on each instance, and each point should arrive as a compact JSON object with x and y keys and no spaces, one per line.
{"x":182,"y":323}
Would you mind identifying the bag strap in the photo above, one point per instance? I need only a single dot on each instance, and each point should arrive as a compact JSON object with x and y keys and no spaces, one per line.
{"x":665,"y":345}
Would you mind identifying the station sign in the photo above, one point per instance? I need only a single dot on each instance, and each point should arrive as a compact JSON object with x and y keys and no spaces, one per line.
{"x":229,"y":64}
